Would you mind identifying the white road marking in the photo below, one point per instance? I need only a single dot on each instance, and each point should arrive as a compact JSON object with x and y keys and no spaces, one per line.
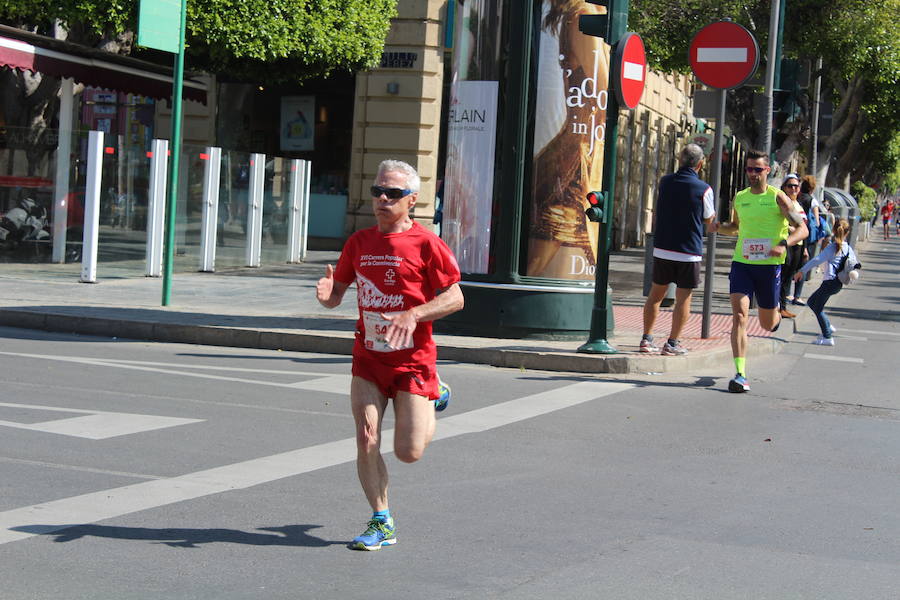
{"x":142,"y":366}
{"x":95,"y":424}
{"x":830,"y":357}
{"x":852,"y":338}
{"x":721,"y":55}
{"x":633,"y":71}
{"x":50,"y":465}
{"x":333,"y":384}
{"x":28,"y":521}
{"x":869,"y":331}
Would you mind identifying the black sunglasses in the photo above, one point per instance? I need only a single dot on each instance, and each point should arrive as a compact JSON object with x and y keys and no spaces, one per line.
{"x":755,"y":169}
{"x":390,"y":193}
{"x":791,"y":185}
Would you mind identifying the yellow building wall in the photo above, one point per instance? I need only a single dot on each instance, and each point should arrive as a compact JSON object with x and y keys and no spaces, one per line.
{"x":398,"y":109}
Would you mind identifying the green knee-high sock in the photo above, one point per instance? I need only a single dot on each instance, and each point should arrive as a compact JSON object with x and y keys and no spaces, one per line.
{"x":740,"y":363}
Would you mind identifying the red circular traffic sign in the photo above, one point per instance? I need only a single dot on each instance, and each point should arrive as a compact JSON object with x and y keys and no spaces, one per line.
{"x":724,"y":55}
{"x":629,"y":69}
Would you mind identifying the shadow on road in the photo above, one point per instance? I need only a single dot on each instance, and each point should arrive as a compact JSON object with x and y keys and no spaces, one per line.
{"x":287,"y":535}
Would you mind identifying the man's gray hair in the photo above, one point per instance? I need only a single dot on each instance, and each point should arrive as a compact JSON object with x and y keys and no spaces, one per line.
{"x":398,"y":166}
{"x":690,"y":156}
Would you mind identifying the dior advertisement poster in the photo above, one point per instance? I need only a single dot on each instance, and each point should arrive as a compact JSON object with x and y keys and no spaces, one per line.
{"x":570,"y":121}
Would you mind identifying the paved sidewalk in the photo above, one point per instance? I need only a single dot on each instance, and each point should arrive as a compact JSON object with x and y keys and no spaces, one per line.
{"x":275,"y":308}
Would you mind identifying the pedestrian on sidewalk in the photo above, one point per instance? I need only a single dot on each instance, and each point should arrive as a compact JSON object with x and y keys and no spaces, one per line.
{"x":406,"y":277}
{"x":811,"y":208}
{"x":794,"y":256}
{"x":839,"y":259}
{"x":759,"y":217}
{"x":684,"y":205}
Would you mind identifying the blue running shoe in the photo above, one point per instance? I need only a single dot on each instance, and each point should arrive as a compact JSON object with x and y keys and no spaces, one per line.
{"x":377,"y":534}
{"x":738,"y":384}
{"x":444,"y":399}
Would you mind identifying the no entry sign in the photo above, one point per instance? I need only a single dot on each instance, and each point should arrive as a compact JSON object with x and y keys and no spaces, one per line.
{"x":724,"y":55}
{"x":629,"y":69}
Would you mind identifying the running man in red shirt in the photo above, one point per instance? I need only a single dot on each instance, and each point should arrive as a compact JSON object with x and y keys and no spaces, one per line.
{"x":406,"y":277}
{"x":887,"y":211}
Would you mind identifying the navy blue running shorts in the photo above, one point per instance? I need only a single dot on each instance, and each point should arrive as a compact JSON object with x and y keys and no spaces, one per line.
{"x":762,"y":280}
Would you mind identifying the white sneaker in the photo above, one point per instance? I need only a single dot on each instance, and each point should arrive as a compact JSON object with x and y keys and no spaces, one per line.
{"x":823,"y":341}
{"x":833,"y":330}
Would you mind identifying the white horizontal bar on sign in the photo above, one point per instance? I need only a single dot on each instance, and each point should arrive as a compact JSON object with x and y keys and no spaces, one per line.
{"x":721,"y":55}
{"x":633,"y":71}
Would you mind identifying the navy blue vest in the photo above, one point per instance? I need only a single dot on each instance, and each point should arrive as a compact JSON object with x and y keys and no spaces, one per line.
{"x":679,"y":212}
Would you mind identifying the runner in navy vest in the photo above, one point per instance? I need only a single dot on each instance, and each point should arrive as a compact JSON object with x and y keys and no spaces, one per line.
{"x":684,"y":204}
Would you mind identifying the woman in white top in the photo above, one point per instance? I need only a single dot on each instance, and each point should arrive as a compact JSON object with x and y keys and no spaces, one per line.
{"x":832,"y":257}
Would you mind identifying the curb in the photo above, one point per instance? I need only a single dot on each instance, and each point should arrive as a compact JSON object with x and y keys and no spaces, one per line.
{"x":341,"y":343}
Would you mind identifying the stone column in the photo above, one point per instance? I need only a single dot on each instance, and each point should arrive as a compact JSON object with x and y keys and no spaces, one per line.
{"x":397,"y":109}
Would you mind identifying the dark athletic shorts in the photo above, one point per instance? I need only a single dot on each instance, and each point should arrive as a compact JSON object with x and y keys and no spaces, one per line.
{"x":682,"y":274}
{"x":420,"y":380}
{"x":762,"y":280}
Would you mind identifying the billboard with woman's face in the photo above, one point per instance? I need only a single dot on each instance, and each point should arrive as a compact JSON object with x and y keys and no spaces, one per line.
{"x":570,"y":121}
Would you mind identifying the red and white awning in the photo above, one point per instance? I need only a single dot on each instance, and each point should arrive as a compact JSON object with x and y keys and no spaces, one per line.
{"x":93,"y":71}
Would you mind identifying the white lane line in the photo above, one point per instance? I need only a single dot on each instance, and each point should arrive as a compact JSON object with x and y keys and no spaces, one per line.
{"x":50,"y":465}
{"x":720,"y":55}
{"x":852,"y":338}
{"x":869,"y":331}
{"x":95,"y":424}
{"x":209,"y":367}
{"x":98,"y":362}
{"x":28,"y":521}
{"x":830,"y":357}
{"x":332,"y":384}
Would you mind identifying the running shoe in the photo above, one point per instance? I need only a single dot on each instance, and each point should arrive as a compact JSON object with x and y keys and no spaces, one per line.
{"x":738,"y":384}
{"x":798,"y":302}
{"x":823,"y":341}
{"x":647,"y":346}
{"x":377,"y":534}
{"x":674,"y":350}
{"x":444,"y":399}
{"x":833,"y":330}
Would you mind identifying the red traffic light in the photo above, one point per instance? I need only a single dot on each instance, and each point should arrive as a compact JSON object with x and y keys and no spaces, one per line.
{"x":594,"y":198}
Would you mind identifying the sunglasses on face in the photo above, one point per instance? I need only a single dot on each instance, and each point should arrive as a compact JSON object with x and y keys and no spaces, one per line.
{"x":755,"y":169}
{"x":390,"y":193}
{"x":792,"y":185}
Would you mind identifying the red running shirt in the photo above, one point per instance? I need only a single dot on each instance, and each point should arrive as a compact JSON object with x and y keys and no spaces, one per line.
{"x":395,"y":272}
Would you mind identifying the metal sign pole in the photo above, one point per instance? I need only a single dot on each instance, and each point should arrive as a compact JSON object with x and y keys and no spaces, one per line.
{"x":712,"y":237}
{"x":177,"y":84}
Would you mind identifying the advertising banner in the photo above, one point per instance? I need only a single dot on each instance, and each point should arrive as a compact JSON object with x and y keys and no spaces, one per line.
{"x":469,"y":183}
{"x":569,"y":134}
{"x":298,"y":121}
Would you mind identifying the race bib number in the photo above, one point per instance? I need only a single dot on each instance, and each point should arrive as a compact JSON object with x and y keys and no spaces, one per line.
{"x":757,"y":248}
{"x":376,"y":331}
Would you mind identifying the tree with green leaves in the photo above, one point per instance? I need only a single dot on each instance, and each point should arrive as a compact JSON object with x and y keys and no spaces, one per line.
{"x":858,"y":44}
{"x":258,"y":41}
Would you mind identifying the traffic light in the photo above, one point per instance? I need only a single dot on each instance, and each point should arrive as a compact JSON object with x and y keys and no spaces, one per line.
{"x":610,"y":26}
{"x":596,"y":212}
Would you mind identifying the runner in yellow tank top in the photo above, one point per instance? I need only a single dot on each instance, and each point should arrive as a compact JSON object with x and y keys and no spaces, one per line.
{"x":759,"y":218}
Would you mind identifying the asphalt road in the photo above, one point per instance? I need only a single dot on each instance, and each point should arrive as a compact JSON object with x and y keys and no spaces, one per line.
{"x":142,"y":470}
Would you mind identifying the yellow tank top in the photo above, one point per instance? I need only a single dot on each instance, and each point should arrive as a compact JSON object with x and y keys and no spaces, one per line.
{"x":762,"y":226}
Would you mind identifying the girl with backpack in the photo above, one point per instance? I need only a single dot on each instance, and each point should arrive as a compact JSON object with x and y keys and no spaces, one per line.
{"x":839,"y":260}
